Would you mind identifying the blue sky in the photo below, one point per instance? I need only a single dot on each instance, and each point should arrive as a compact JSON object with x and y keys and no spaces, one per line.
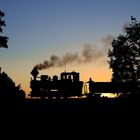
{"x":40,"y":28}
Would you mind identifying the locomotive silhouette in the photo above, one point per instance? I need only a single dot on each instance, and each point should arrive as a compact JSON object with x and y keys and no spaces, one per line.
{"x":69,"y":85}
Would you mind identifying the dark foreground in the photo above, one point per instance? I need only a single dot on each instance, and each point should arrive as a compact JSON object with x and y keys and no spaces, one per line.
{"x":73,"y":106}
{"x":68,"y":116}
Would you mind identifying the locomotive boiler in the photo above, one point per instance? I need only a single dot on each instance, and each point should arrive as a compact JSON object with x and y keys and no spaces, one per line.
{"x":67,"y":85}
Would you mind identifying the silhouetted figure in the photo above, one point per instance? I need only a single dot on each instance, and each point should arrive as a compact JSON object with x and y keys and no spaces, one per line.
{"x":91,"y":87}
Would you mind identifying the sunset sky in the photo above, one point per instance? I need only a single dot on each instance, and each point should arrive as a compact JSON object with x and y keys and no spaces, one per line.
{"x":39,"y":29}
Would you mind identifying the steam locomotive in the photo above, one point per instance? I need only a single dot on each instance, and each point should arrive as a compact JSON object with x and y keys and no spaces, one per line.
{"x":69,"y":84}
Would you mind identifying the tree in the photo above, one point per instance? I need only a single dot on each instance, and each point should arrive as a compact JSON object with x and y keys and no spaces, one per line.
{"x":8,"y":89}
{"x":3,"y":39}
{"x":124,"y":57}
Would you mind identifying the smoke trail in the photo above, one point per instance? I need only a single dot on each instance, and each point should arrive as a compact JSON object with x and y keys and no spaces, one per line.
{"x":89,"y":53}
{"x":107,"y":40}
{"x":57,"y":61}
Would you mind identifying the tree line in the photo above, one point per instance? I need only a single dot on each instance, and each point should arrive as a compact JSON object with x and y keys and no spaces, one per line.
{"x":124,"y":56}
{"x":8,"y":89}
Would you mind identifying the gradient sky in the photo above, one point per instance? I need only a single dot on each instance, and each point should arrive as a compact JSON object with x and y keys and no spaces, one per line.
{"x":39,"y":28}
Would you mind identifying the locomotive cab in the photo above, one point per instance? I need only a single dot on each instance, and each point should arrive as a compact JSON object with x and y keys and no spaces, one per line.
{"x":72,"y":86}
{"x":72,"y":76}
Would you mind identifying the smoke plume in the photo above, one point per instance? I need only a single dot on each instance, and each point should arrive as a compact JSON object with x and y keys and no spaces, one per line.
{"x":89,"y":53}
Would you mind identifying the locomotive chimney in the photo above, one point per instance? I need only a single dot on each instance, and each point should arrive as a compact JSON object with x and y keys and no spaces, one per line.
{"x":34,"y":73}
